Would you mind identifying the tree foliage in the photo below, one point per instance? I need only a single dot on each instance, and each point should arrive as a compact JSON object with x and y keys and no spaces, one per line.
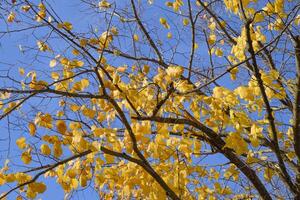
{"x":151,"y":99}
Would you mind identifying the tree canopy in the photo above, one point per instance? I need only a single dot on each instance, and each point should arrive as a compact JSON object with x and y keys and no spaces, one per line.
{"x":136,"y":99}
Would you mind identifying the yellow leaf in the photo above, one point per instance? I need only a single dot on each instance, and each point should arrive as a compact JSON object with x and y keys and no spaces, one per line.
{"x":77,"y":63}
{"x":233,"y":139}
{"x":61,"y":126}
{"x":25,"y":8}
{"x":45,"y":149}
{"x":32,"y":128}
{"x":21,"y":71}
{"x":164,"y":22}
{"x":135,"y":37}
{"x":75,"y":52}
{"x":83,"y":181}
{"x":26,"y":157}
{"x":68,"y":26}
{"x":83,"y":42}
{"x":185,"y":21}
{"x":104,"y":4}
{"x":85,"y":83}
{"x":11,"y":17}
{"x":88,"y":112}
{"x":55,"y":76}
{"x":219,"y":52}
{"x":122,"y":69}
{"x":37,"y":187}
{"x":53,"y":63}
{"x":57,"y":150}
{"x":212,"y":39}
{"x":174,"y":71}
{"x":21,"y":142}
{"x":44,"y":120}
{"x":38,"y":85}
{"x":268,"y":174}
{"x":114,"y":30}
{"x":42,"y":46}
{"x":74,"y":107}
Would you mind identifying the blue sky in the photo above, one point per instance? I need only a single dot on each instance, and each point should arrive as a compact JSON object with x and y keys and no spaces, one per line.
{"x":79,"y":16}
{"x":12,"y":58}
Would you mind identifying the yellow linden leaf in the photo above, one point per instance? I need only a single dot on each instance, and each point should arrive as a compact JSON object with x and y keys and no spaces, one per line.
{"x":38,"y":85}
{"x":11,"y":17}
{"x":40,"y":16}
{"x":268,"y":174}
{"x":105,"y":39}
{"x":114,"y":30}
{"x":57,"y":150}
{"x":174,"y":71}
{"x":83,"y":42}
{"x":55,"y":76}
{"x":31,"y":194}
{"x":25,"y":8}
{"x":32,"y":128}
{"x":44,"y":120}
{"x":81,"y":85}
{"x":255,"y":132}
{"x":83,"y":181}
{"x":74,"y":107}
{"x":45,"y":149}
{"x":77,"y":63}
{"x":61,"y":126}
{"x":245,"y":93}
{"x":21,"y":142}
{"x":212,"y":39}
{"x":122,"y":69}
{"x":233,"y":139}
{"x":231,"y":172}
{"x":219,"y":52}
{"x":297,"y":20}
{"x":19,"y":198}
{"x":53,"y":63}
{"x":26,"y":157}
{"x":72,"y":173}
{"x":10,"y":178}
{"x":185,"y":21}
{"x":21,"y":71}
{"x":135,"y":37}
{"x":37,"y":187}
{"x":75,"y":52}
{"x":164,"y":22}
{"x":146,"y":69}
{"x":68,"y":26}
{"x":196,"y":46}
{"x":104,"y":4}
{"x":88,"y":112}
{"x":85,"y":83}
{"x":169,"y":35}
{"x":42,"y":46}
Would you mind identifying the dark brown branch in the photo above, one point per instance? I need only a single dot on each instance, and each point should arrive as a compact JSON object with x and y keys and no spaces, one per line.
{"x":269,"y":109}
{"x":296,"y":112}
{"x":146,"y":33}
{"x":217,"y":142}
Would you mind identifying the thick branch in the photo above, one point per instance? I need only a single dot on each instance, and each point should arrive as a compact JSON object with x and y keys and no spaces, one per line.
{"x":216,"y":141}
{"x":269,"y":109}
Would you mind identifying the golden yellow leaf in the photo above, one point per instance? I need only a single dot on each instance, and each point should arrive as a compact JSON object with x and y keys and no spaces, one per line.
{"x":45,"y":149}
{"x":26,"y":157}
{"x":32,"y":128}
{"x":61,"y":126}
